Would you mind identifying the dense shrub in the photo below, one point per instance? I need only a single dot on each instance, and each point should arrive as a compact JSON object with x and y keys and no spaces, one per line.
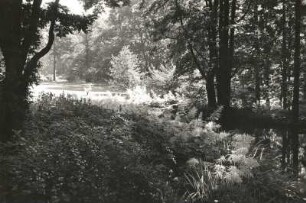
{"x":73,"y":151}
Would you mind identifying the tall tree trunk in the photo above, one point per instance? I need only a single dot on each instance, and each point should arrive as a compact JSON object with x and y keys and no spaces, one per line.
{"x":14,"y":98}
{"x":285,"y":60}
{"x":213,"y":55}
{"x":224,"y":73}
{"x":232,"y":35}
{"x":210,"y":89}
{"x":304,"y":85}
{"x":18,"y":73}
{"x":266,"y":61}
{"x":11,"y":101}
{"x":143,"y":51}
{"x":285,"y":152}
{"x":54,"y":60}
{"x":267,"y":82}
{"x":87,"y":50}
{"x":257,"y":58}
{"x":296,"y":87}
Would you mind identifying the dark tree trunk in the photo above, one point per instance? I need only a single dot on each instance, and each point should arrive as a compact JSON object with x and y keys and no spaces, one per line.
{"x":14,"y":98}
{"x":143,"y":52}
{"x":257,"y":58}
{"x":11,"y":101}
{"x":257,"y":85}
{"x":285,"y":149}
{"x":224,"y":70}
{"x":87,"y":50}
{"x":213,"y":55}
{"x":210,"y":88}
{"x":267,"y":82}
{"x":296,"y":88}
{"x":285,"y":59}
{"x":18,"y":72}
{"x":266,"y":61}
{"x":304,"y":84}
{"x":54,"y":60}
{"x":232,"y":35}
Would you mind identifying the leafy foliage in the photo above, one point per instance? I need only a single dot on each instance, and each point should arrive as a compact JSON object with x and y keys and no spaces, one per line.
{"x":125,"y":71}
{"x":72,"y":150}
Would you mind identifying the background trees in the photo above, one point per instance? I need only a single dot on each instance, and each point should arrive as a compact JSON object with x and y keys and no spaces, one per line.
{"x":249,"y":44}
{"x":125,"y":69}
{"x":241,"y":50}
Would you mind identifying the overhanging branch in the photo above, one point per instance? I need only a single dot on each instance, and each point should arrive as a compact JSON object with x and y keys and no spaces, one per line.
{"x":32,"y":64}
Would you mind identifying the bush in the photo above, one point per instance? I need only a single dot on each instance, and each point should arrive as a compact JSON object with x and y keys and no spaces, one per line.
{"x":73,"y":151}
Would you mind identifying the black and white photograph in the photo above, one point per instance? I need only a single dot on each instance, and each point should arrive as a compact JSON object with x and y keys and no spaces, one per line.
{"x":152,"y":101}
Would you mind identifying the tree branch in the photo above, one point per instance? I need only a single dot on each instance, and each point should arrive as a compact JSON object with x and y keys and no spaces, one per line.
{"x":32,"y":64}
{"x":190,"y":47}
{"x":196,"y":60}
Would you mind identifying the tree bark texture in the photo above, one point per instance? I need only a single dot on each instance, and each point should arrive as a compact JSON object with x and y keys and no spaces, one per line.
{"x":213,"y":55}
{"x":296,"y":86}
{"x":285,"y":60}
{"x":257,"y":57}
{"x":224,"y":70}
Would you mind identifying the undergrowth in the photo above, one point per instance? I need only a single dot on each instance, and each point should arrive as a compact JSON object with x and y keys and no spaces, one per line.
{"x":74,"y":151}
